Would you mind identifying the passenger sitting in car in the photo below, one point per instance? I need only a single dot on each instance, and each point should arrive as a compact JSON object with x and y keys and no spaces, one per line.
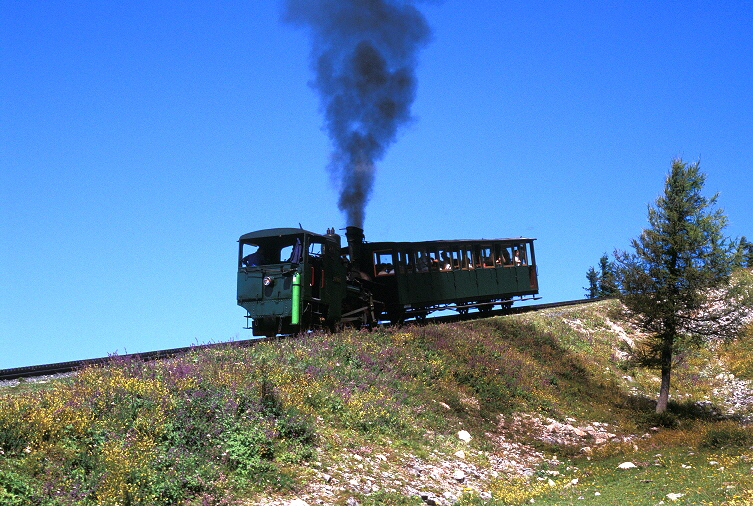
{"x":446,"y":264}
{"x":506,"y":257}
{"x":517,"y":258}
{"x":385,"y":269}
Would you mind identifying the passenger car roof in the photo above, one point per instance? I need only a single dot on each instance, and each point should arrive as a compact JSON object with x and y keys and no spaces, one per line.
{"x":449,"y":242}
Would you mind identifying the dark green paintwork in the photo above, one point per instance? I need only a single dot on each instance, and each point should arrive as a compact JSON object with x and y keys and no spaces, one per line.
{"x":270,"y":306}
{"x":404,"y":292}
{"x":456,"y":285}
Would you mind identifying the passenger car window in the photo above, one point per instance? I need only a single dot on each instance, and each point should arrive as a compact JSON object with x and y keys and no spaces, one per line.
{"x":444,"y":260}
{"x":504,"y":257}
{"x":487,"y":258}
{"x":404,"y":262}
{"x":466,"y":261}
{"x":422,"y":261}
{"x":383,"y":263}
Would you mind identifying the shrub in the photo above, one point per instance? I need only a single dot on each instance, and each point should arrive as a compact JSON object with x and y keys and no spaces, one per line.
{"x":667,"y":419}
{"x":727,"y":434}
{"x":14,"y":490}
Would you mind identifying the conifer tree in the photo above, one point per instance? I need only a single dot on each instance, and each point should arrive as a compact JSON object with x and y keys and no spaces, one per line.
{"x":677,"y":282}
{"x":745,"y":253}
{"x":607,"y":279}
{"x":592,"y":290}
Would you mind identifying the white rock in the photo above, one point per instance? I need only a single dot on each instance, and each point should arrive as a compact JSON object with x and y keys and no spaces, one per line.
{"x":298,"y":502}
{"x":627,"y":465}
{"x":460,"y":454}
{"x":674,"y":497}
{"x":464,"y":436}
{"x":459,"y":475}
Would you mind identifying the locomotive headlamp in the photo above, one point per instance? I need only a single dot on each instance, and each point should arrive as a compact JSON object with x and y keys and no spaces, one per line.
{"x":267,"y":281}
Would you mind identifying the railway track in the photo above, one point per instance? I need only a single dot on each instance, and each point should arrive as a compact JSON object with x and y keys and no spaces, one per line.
{"x":67,"y":367}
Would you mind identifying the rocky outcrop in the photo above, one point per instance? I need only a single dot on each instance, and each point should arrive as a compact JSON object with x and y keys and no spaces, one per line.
{"x":569,"y":433}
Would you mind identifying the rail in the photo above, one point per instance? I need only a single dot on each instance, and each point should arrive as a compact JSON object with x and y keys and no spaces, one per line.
{"x":65,"y":367}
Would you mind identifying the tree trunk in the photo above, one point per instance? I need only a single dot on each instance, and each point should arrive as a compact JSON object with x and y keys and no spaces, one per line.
{"x":666,"y":372}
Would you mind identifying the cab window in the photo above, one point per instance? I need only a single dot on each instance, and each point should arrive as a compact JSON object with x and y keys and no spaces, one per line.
{"x":252,"y":255}
{"x":291,"y":252}
{"x":316,"y":249}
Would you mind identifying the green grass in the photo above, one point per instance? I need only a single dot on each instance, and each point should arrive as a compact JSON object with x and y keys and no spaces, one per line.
{"x":226,"y":426}
{"x":696,"y":477}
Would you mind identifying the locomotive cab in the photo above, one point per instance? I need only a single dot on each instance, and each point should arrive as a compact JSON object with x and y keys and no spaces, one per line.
{"x":289,"y":280}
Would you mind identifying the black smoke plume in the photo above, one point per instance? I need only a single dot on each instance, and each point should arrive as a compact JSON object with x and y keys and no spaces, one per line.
{"x":364,"y":56}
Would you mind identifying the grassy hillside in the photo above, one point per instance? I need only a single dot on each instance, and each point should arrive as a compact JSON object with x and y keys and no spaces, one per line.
{"x":538,"y":407}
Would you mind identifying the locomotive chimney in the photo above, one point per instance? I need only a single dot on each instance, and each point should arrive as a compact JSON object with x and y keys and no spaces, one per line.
{"x":355,"y":239}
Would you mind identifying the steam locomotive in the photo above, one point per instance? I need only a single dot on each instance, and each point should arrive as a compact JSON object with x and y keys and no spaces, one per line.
{"x":291,"y":280}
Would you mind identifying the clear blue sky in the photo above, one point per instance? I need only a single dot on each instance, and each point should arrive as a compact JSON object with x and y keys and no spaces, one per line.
{"x":139,"y":140}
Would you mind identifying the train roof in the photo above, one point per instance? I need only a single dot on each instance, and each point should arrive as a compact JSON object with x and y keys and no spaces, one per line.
{"x":449,"y":241}
{"x":274,"y":232}
{"x":283,"y":232}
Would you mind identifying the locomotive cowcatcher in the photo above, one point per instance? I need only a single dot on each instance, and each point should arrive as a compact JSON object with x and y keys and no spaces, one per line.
{"x":291,"y":280}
